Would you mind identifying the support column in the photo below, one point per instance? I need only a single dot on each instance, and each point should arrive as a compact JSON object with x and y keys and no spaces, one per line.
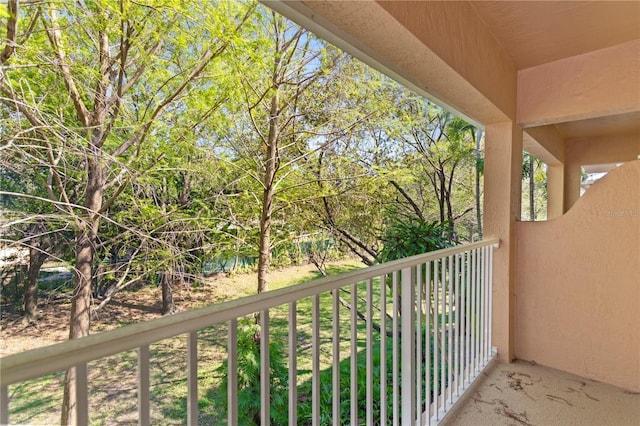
{"x":555,"y":191}
{"x":502,"y":199}
{"x":572,"y":177}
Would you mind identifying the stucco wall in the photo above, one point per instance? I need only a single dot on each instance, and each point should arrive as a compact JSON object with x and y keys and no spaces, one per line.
{"x":578,"y":284}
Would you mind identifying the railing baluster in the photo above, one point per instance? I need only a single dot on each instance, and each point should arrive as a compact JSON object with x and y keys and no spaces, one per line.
{"x":265,"y":370}
{"x":463,"y":317}
{"x":479,"y":313}
{"x":192,"y":378}
{"x":82,"y":393}
{"x":427,"y":349}
{"x":144,"y":417}
{"x":408,"y":327}
{"x":395,"y":359}
{"x":336,"y":358}
{"x":487,"y":299}
{"x":354,"y":354}
{"x":468,"y":322}
{"x":4,"y":405}
{"x":293,"y":364}
{"x":383,"y":350}
{"x":491,"y":299}
{"x":477,"y":341}
{"x":450,"y":296}
{"x":472,"y":309}
{"x":315,"y":360}
{"x":484,"y":306}
{"x":472,"y":331}
{"x":418,"y":375}
{"x":443,"y":336}
{"x":456,"y":339}
{"x":369,"y":331}
{"x":481,"y":310}
{"x":436,"y":339}
{"x":480,"y":297}
{"x":232,"y":373}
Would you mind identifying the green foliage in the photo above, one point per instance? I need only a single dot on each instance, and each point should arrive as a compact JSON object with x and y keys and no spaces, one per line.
{"x":326,"y":390}
{"x":188,"y":186}
{"x":411,"y":237}
{"x":249,"y":378}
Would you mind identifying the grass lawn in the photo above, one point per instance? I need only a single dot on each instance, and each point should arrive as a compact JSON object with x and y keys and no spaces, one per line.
{"x":113,"y":380}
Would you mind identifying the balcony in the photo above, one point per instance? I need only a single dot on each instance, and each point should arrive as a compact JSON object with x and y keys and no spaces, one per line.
{"x":434,"y":311}
{"x":564,"y":293}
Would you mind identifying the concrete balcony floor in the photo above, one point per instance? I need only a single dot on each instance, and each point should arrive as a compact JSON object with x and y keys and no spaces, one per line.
{"x":524,"y":394}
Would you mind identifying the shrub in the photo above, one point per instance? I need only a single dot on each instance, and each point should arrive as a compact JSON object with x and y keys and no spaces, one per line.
{"x":249,"y":378}
{"x":407,"y":238}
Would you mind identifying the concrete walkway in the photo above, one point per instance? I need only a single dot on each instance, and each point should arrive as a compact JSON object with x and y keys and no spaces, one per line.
{"x":526,"y":394}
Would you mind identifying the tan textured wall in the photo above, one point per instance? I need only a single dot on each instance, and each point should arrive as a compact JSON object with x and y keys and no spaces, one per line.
{"x":502,"y":195}
{"x":578,"y":284}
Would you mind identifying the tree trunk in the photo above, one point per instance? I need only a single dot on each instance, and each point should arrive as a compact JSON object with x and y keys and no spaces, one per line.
{"x":36,"y":260}
{"x":80,"y":314}
{"x":271,"y":167}
{"x":86,"y":241}
{"x":532,"y":188}
{"x":478,"y":200}
{"x":441,"y":195}
{"x":451,"y":234}
{"x":168,"y":307}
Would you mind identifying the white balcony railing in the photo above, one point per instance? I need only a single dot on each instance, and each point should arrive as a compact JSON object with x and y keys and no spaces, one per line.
{"x":429,"y":316}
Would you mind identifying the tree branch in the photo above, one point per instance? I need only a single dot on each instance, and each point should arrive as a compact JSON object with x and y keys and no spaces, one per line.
{"x":53,"y":33}
{"x":406,"y":196}
{"x":12,"y":27}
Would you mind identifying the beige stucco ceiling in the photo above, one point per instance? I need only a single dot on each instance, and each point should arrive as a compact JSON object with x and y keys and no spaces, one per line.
{"x":612,"y":125}
{"x":534,"y":33}
{"x":537,"y":32}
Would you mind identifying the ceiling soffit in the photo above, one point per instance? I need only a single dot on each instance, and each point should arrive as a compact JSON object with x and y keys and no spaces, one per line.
{"x":612,"y":125}
{"x":537,"y":32}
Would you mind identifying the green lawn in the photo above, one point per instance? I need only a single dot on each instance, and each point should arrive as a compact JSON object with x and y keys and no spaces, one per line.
{"x":113,"y":380}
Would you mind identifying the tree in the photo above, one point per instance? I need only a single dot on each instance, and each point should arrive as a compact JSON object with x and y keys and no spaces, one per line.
{"x":352,"y":174}
{"x":351,"y":203}
{"x":281,"y":75}
{"x":93,"y":81}
{"x":534,"y":179}
{"x":439,"y":144}
{"x":38,"y":254}
{"x":479,"y":170}
{"x":528,"y":172}
{"x":30,"y":222}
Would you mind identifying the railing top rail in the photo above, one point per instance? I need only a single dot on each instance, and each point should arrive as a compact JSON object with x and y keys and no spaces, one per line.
{"x":61,"y":356}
